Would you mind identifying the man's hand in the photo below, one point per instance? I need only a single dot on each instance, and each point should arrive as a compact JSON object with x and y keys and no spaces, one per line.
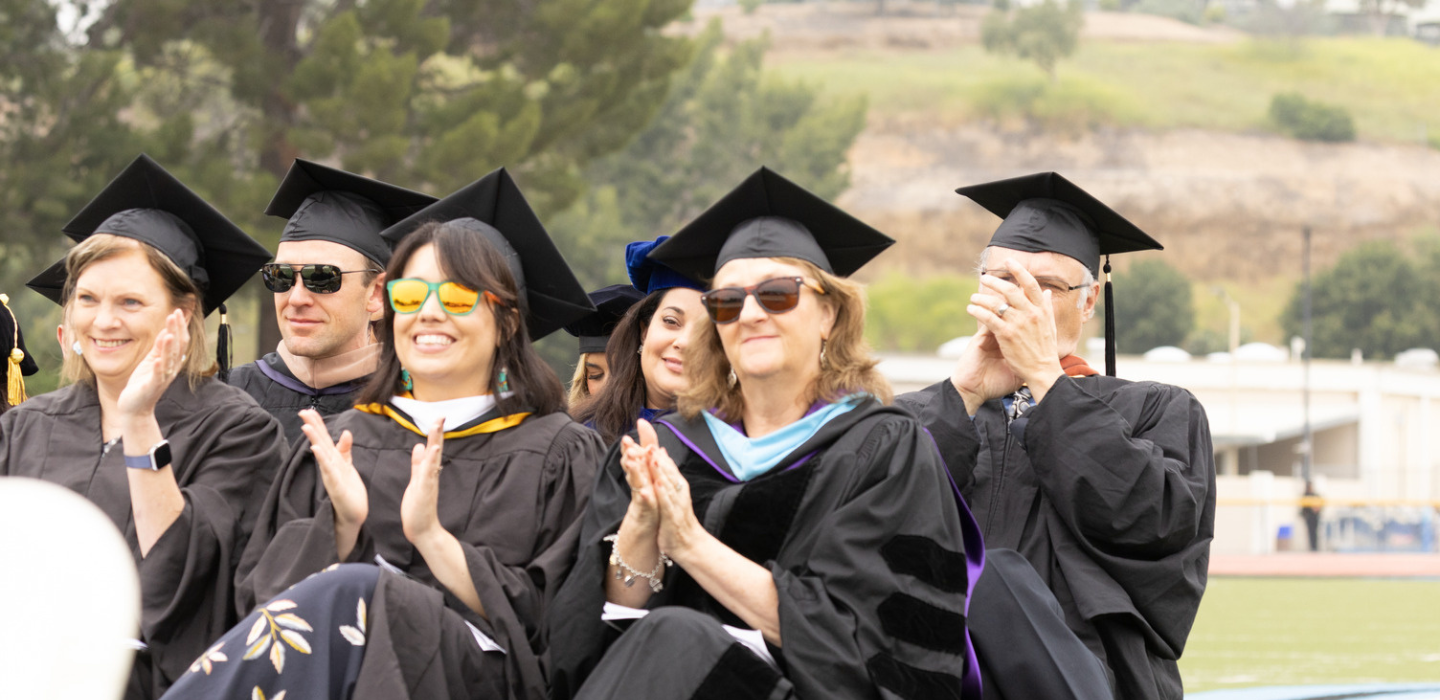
{"x":1022,"y":319}
{"x":981,"y":373}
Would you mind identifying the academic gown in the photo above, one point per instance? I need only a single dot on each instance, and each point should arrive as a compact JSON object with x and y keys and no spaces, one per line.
{"x":1107,"y":487}
{"x":508,"y":496}
{"x":271,"y":383}
{"x":872,"y":555}
{"x":225,"y":452}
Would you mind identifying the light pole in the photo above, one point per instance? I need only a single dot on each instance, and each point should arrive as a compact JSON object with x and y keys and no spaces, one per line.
{"x":1307,"y":446}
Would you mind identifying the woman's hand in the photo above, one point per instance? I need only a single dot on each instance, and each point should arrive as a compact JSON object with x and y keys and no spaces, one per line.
{"x":154,"y":373}
{"x":419,"y":507}
{"x":679,"y":528}
{"x":348,"y":496}
{"x":643,"y":515}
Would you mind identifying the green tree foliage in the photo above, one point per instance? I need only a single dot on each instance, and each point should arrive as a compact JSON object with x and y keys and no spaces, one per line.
{"x":1154,"y":306}
{"x":1378,"y":297}
{"x":430,"y":93}
{"x":723,"y":119}
{"x":1308,"y":120}
{"x":909,"y":315}
{"x":1043,"y":33}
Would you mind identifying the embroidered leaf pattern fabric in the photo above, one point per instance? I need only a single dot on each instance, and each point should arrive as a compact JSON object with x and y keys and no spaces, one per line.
{"x":356,"y":635}
{"x":273,"y":627}
{"x":207,"y":660}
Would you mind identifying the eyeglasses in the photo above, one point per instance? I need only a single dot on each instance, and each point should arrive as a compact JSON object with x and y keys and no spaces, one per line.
{"x":1054,"y":285}
{"x":320,"y":279}
{"x":408,"y":295}
{"x":775,"y":296}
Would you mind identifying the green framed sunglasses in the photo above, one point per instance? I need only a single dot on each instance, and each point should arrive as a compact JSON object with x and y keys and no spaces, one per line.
{"x":408,"y":295}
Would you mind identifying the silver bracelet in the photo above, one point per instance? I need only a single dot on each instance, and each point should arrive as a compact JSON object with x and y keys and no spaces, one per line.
{"x":630,"y":574}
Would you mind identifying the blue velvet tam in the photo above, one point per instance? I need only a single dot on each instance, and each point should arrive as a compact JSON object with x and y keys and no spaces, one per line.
{"x":650,"y":276}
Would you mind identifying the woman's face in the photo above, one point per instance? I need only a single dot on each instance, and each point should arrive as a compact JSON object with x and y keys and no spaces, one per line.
{"x":761,"y":345}
{"x":597,"y":368}
{"x":662,"y":349}
{"x":448,"y":357}
{"x":119,"y":306}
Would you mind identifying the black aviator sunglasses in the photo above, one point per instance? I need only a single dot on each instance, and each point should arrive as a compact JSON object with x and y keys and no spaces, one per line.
{"x":319,"y":279}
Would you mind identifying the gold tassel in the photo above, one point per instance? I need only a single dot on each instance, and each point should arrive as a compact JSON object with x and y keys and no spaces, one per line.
{"x":15,"y":387}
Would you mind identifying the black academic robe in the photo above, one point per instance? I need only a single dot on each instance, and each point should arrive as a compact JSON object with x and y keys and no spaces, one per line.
{"x":271,"y":383}
{"x":508,"y":496}
{"x":225,"y":452}
{"x":872,"y":557}
{"x":1107,"y":487}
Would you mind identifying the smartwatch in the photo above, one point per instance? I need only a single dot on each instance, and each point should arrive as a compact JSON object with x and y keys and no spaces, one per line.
{"x":158,"y":459}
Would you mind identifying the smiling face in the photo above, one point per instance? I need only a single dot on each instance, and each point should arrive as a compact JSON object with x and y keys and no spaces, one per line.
{"x":448,"y":357}
{"x":662,"y":347}
{"x":118,"y":307}
{"x":1059,"y":270}
{"x":324,"y":325}
{"x":761,"y":345}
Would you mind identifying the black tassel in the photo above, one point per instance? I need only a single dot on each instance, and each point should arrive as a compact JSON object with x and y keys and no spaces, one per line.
{"x":222,"y":347}
{"x":1109,"y":322}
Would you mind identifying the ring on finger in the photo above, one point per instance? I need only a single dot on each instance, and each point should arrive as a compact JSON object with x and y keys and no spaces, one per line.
{"x":1000,"y":310}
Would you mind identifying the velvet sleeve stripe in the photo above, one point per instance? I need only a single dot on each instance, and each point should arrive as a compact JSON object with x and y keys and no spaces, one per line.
{"x":738,"y":674}
{"x":927,"y":561}
{"x":912,"y":620}
{"x":910,"y":682}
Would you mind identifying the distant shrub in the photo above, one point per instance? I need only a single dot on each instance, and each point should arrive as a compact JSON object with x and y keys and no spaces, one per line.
{"x":1311,"y":121}
{"x":750,"y":6}
{"x":1188,"y":11}
{"x":1071,"y":106}
{"x":909,"y":315}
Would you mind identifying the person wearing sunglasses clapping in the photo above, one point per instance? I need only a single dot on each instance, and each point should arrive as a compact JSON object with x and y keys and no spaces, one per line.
{"x":328,"y":281}
{"x":645,"y":355}
{"x":410,"y":551}
{"x":784,"y":534}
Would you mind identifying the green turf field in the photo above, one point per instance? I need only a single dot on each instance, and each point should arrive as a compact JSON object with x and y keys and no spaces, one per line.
{"x":1254,"y":631}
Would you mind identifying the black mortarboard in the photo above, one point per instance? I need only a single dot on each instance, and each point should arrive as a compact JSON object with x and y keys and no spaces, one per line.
{"x":611,"y":303}
{"x":148,"y":204}
{"x":768,"y":216}
{"x":494,"y":207}
{"x":1045,"y":212}
{"x":326,"y":204}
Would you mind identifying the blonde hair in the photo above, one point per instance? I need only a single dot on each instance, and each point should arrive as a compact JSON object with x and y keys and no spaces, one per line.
{"x":848,"y":367}
{"x":579,"y":388}
{"x":181,"y":289}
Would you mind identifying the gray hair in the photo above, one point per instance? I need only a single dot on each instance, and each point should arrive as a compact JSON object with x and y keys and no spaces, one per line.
{"x":1086,"y":282}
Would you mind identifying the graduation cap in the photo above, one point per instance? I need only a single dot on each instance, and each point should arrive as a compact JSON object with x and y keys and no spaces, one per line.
{"x":326,"y":204}
{"x":146,"y":203}
{"x":18,"y":363}
{"x":768,"y":216}
{"x":649,"y":276}
{"x":494,"y":207}
{"x":611,"y":303}
{"x":1045,"y":212}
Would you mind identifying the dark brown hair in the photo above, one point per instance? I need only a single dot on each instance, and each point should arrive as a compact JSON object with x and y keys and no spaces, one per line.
{"x":466,"y":257}
{"x":612,"y":412}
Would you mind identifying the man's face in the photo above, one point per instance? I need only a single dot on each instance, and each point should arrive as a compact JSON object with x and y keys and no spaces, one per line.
{"x":1057,"y":273}
{"x":324,"y":325}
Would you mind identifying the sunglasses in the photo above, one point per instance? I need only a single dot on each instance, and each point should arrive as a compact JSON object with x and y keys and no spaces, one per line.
{"x":408,"y":295}
{"x":320,"y":279}
{"x":775,"y":296}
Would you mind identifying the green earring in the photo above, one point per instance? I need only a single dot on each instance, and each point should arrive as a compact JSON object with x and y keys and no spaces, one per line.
{"x":504,"y":381}
{"x":406,"y":382}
